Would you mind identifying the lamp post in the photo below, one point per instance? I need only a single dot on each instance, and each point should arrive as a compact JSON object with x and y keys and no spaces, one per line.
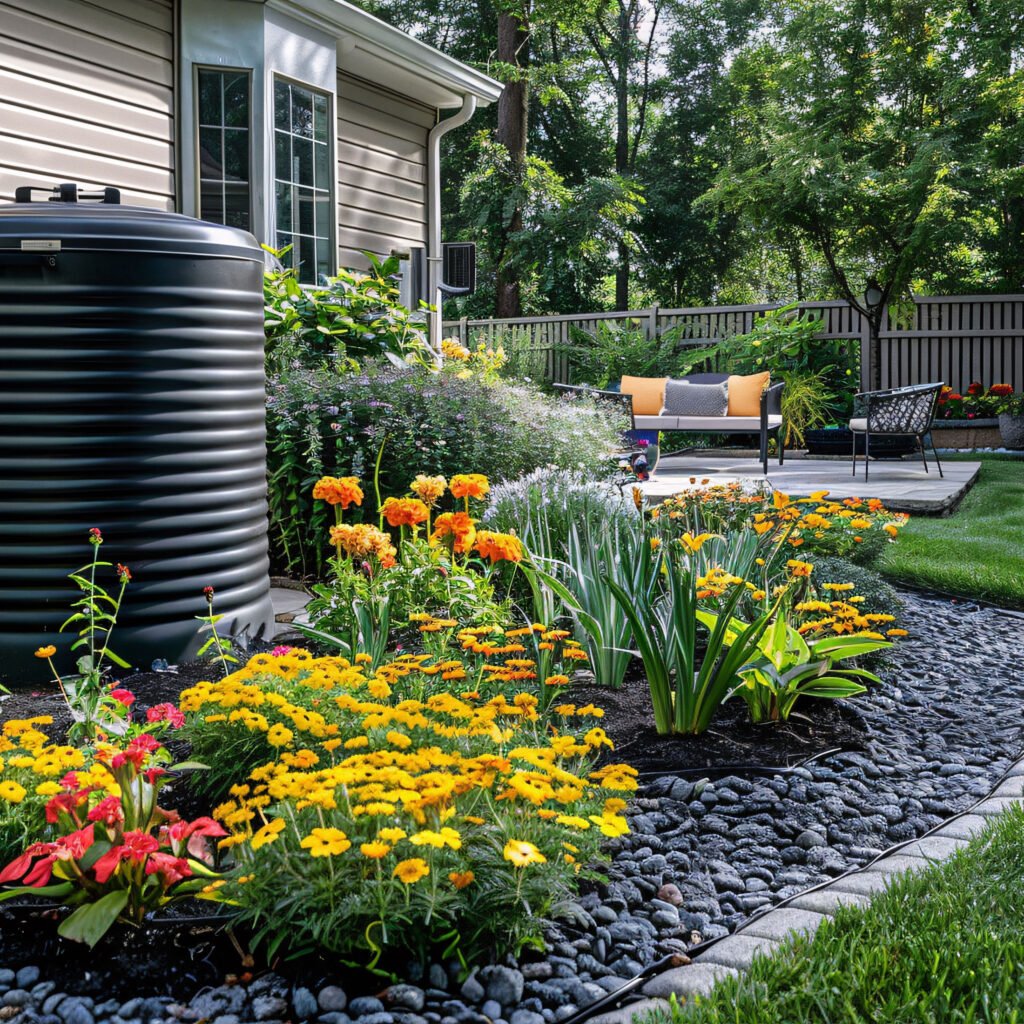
{"x":873,"y":301}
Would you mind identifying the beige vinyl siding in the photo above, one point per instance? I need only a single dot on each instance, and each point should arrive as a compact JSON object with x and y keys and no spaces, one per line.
{"x":382,"y":171}
{"x":87,"y":95}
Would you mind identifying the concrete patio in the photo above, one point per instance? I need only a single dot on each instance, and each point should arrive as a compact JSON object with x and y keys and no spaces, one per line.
{"x":902,"y":484}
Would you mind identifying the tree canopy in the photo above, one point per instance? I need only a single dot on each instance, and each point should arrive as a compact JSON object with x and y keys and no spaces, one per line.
{"x":699,"y":151}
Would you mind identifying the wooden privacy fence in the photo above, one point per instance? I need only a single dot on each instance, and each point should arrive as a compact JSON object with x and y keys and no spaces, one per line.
{"x":955,"y":339}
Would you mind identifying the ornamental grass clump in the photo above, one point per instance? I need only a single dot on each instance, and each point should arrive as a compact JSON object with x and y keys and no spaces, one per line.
{"x":429,"y":805}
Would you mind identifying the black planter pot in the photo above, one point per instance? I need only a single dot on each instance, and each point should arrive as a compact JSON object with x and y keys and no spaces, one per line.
{"x":839,"y":441}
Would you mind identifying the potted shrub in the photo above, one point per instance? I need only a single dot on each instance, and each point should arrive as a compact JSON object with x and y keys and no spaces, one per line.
{"x":1011,"y":417}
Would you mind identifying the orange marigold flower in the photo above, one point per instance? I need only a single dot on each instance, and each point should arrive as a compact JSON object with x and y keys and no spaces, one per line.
{"x":499,"y":547}
{"x":460,"y":879}
{"x":798,"y":568}
{"x":46,"y":652}
{"x":469,"y":485}
{"x":459,"y":526}
{"x":428,"y":488}
{"x":343,"y":491}
{"x":404,"y":511}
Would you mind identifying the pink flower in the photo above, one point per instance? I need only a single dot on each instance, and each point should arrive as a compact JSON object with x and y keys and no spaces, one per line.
{"x":154,"y":773}
{"x":173,"y":869}
{"x":125,"y":697}
{"x":281,"y":650}
{"x":166,"y":713}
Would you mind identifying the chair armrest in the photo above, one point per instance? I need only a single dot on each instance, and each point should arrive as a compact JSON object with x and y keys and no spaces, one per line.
{"x":771,"y":401}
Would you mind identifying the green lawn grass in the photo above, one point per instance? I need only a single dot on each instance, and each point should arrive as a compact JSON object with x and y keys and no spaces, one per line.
{"x":978,"y":551}
{"x":945,"y":946}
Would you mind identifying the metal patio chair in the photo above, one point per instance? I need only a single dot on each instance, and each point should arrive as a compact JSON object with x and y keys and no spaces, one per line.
{"x":900,"y":411}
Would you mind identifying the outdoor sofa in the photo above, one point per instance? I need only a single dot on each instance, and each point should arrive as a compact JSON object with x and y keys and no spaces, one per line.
{"x":704,"y":403}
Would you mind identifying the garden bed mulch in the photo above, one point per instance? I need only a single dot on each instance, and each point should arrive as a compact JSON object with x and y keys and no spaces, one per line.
{"x":711,"y":844}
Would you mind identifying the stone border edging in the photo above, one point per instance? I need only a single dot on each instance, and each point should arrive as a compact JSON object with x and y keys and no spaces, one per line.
{"x":804,"y":912}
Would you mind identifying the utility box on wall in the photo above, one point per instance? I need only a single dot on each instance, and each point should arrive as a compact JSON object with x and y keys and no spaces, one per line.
{"x":132,"y":399}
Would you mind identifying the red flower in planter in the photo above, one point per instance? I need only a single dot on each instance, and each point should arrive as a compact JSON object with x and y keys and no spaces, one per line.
{"x":108,"y":812}
{"x":975,"y":388}
{"x":137,"y":846}
{"x":173,"y":869}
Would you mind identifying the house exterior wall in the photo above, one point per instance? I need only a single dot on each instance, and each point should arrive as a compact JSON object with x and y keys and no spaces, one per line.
{"x":382,"y":170}
{"x":87,"y":94}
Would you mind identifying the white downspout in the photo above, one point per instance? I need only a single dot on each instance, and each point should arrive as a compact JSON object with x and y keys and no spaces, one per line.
{"x":439,"y":130}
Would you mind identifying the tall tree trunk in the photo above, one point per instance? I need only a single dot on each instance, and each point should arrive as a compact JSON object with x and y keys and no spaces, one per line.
{"x":513,"y":120}
{"x":622,"y":142}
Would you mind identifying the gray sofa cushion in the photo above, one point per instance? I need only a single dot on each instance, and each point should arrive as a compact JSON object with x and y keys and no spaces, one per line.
{"x":685,"y":399}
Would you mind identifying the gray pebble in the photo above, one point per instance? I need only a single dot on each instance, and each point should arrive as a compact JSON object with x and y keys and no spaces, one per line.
{"x":27,"y":977}
{"x":269,"y":1008}
{"x":406,"y":997}
{"x":363,"y":1005}
{"x":332,"y":998}
{"x":304,"y":1003}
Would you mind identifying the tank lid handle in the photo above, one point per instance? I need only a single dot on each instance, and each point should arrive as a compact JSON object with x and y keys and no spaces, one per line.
{"x":68,"y":192}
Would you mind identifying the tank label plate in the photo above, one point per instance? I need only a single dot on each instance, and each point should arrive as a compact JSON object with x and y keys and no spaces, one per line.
{"x":40,"y":245}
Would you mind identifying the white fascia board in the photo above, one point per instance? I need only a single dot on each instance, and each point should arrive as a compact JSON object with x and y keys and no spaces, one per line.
{"x":455,"y":79}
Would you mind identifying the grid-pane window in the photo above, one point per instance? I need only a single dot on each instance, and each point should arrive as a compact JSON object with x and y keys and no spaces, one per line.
{"x":223,"y":102}
{"x":302,"y":178}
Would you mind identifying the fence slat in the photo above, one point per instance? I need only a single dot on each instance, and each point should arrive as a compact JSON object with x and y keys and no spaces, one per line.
{"x":957,"y":339}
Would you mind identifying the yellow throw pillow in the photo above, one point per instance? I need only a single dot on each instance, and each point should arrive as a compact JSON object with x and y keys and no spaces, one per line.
{"x":648,"y":394}
{"x":745,"y":394}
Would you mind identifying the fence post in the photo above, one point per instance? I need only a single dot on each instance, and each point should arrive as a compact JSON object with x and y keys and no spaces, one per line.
{"x":651,"y":329}
{"x":865,"y":351}
{"x":463,"y":329}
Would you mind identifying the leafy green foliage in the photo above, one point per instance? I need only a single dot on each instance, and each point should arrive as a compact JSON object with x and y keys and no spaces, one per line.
{"x":355,"y":316}
{"x":611,"y":350}
{"x":687,"y":690}
{"x":561,"y":252}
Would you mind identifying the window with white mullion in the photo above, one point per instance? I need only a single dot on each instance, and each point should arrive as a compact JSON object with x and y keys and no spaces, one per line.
{"x":302,"y":179}
{"x":223,"y":117}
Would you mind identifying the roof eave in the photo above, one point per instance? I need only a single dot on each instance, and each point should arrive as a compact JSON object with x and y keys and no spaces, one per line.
{"x":349,"y":22}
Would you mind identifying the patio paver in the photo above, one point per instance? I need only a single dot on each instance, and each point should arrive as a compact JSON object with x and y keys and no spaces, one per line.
{"x":902,"y":485}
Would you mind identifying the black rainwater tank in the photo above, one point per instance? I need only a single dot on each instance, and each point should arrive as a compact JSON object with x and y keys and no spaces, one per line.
{"x":132,"y":400}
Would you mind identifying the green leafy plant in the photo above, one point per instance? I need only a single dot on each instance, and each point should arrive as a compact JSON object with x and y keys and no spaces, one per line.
{"x":594,"y":557}
{"x":355,"y":316}
{"x":790,"y":667}
{"x":686,"y":691}
{"x":216,"y":649}
{"x":95,"y":617}
{"x":611,"y":350}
